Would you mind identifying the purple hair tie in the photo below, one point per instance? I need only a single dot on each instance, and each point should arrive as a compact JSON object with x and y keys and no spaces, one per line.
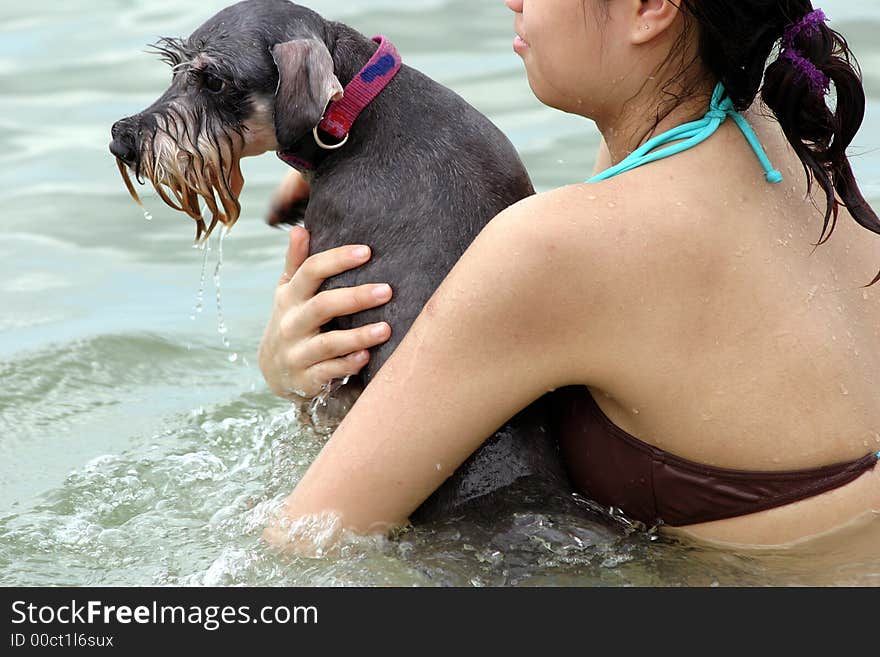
{"x":809,"y":24}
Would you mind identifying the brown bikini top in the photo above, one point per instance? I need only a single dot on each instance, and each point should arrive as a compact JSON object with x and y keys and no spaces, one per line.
{"x":614,"y":468}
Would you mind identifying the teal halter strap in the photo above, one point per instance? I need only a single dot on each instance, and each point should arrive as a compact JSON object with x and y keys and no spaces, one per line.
{"x":694,"y":133}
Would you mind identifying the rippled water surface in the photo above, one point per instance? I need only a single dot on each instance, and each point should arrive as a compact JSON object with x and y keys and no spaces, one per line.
{"x":136,"y":446}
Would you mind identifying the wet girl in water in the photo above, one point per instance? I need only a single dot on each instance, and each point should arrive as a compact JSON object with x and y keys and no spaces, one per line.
{"x":716,"y":371}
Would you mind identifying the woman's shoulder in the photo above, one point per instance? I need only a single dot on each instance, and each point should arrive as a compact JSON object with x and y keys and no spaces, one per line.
{"x":631,"y":222}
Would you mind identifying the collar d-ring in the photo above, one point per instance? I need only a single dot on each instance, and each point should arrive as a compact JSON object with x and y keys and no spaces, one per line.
{"x":325,"y":145}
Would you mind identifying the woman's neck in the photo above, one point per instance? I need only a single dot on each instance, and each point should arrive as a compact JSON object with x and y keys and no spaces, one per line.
{"x":636,"y":121}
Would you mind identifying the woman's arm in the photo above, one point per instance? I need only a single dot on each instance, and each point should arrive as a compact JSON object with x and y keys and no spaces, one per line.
{"x":496,"y":335}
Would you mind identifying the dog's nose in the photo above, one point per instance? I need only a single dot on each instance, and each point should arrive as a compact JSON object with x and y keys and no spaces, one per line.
{"x":123,"y":151}
{"x":123,"y":145}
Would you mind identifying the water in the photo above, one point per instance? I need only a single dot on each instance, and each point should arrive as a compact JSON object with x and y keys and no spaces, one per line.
{"x":134,"y":448}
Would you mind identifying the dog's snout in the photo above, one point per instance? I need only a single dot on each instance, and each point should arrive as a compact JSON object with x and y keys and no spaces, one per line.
{"x":123,"y":143}
{"x":122,"y":150}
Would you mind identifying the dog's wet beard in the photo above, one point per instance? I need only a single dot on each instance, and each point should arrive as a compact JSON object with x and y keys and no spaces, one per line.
{"x":188,"y":157}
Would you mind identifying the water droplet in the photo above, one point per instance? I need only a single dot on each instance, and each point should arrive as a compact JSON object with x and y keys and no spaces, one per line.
{"x":843,"y":390}
{"x":438,"y":466}
{"x":865,"y":295}
{"x":591,"y":197}
{"x":148,"y":216}
{"x":611,"y":204}
{"x":233,"y":357}
{"x":636,"y":411}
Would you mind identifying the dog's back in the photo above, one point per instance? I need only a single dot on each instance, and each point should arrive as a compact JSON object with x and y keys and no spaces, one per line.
{"x":421,"y":175}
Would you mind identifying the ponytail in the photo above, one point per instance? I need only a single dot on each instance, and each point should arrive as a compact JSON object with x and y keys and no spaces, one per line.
{"x":819,"y":135}
{"x":736,"y":39}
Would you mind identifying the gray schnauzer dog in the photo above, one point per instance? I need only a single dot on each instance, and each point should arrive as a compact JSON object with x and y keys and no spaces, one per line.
{"x":417,"y":177}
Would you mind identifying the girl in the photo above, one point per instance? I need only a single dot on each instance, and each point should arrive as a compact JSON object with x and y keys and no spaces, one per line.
{"x":716,"y":372}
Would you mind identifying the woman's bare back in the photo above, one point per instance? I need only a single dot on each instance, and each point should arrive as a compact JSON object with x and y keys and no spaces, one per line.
{"x":742,"y":346}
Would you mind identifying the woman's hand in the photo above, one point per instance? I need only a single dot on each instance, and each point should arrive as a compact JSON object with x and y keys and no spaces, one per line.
{"x":295,"y":357}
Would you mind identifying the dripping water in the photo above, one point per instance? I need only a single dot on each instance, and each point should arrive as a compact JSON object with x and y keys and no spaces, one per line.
{"x":200,"y":295}
{"x":222,"y":329}
{"x":221,"y":323}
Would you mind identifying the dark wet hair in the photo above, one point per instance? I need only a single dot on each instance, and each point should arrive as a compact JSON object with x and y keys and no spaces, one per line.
{"x":735,"y":41}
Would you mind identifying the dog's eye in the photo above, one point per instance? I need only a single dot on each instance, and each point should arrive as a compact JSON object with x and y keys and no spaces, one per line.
{"x":212,"y":83}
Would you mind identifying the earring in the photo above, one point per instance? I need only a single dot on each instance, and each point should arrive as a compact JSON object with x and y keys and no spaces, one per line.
{"x":646,"y":27}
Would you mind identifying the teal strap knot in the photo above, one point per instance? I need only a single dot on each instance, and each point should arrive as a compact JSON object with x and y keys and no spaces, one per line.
{"x":691,"y":134}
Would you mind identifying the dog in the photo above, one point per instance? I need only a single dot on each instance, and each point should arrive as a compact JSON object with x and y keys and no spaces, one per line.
{"x":416,"y":175}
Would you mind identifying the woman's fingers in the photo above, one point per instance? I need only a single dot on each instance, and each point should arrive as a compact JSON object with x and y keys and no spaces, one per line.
{"x":332,"y":355}
{"x":329,"y":304}
{"x":335,"y":344}
{"x":321,"y":266}
{"x":306,"y":318}
{"x":337,"y":368}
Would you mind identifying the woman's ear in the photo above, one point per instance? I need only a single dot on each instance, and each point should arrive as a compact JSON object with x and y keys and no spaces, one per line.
{"x":306,"y":83}
{"x":651,"y":18}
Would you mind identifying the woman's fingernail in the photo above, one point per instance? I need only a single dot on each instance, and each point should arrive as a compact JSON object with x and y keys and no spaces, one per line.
{"x":379,"y":330}
{"x":361,"y":355}
{"x":361,"y":252}
{"x":382,"y":291}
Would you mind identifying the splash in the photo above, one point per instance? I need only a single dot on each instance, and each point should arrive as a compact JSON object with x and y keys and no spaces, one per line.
{"x":327,"y":391}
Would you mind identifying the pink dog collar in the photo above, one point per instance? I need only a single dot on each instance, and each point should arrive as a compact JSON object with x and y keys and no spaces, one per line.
{"x":372,"y":79}
{"x":340,"y":115}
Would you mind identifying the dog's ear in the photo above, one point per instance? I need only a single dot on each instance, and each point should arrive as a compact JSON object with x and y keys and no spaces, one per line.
{"x":306,"y":83}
